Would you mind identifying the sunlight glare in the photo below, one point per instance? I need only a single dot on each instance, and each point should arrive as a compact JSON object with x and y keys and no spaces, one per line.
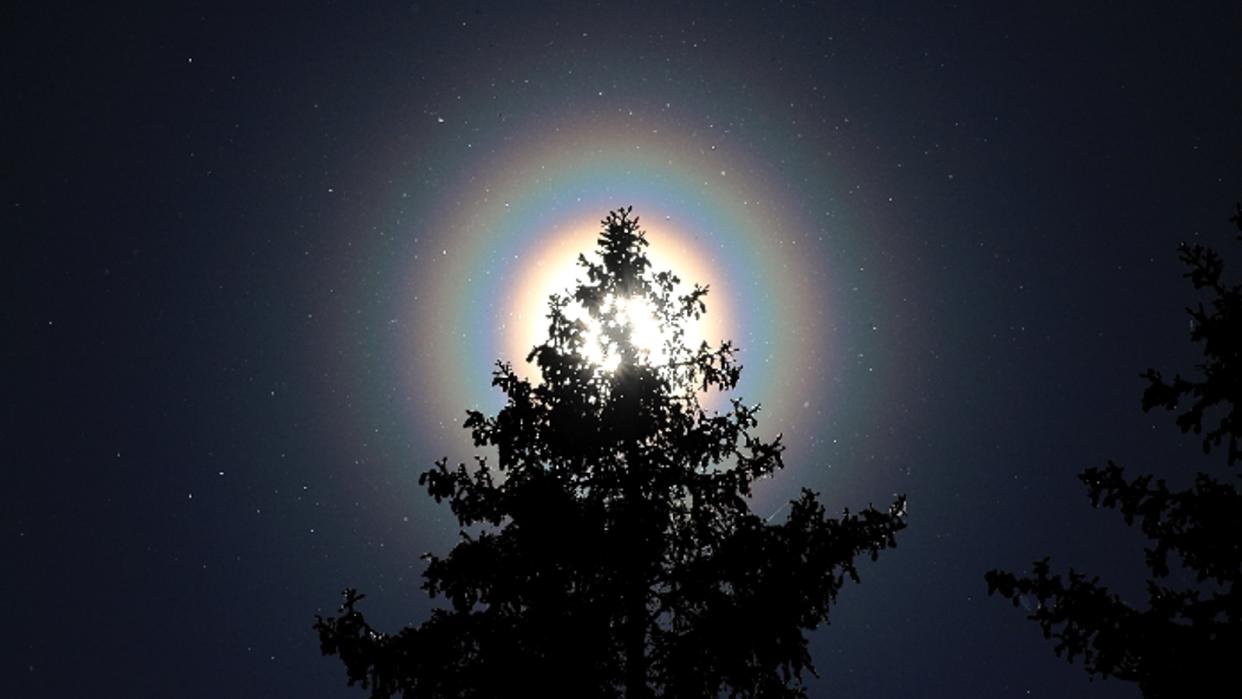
{"x":554,"y":270}
{"x":635,"y":314}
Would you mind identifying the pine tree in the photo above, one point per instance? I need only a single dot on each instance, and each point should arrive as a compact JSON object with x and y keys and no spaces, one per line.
{"x":1187,"y":642}
{"x":611,"y":551}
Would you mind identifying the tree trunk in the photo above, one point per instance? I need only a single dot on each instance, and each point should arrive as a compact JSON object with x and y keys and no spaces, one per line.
{"x":635,"y":533}
{"x":636,"y":647}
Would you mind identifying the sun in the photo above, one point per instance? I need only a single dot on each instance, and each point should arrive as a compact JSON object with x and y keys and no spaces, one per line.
{"x":635,"y":319}
{"x":555,"y":271}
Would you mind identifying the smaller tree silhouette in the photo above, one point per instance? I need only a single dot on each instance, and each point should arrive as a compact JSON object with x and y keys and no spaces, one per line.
{"x":1188,"y":641}
{"x":612,"y":552}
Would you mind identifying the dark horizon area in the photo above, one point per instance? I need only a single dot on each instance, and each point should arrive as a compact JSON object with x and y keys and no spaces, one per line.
{"x":264,"y":258}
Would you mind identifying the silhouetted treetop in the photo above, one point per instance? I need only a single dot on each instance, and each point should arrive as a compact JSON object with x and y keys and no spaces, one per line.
{"x":611,"y":550}
{"x":1187,"y":641}
{"x":1216,"y":327}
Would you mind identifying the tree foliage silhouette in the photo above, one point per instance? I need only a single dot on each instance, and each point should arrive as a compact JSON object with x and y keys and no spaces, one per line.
{"x":1188,"y":640}
{"x":612,"y":551}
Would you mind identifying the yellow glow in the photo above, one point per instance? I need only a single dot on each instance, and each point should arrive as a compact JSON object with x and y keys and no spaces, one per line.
{"x":555,"y":270}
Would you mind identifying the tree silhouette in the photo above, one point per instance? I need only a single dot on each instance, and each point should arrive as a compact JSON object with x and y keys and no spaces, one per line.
{"x":1188,"y":641}
{"x":612,"y":551}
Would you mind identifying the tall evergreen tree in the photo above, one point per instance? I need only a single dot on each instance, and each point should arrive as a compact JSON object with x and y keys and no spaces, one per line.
{"x":612,"y":551}
{"x":1188,"y":640}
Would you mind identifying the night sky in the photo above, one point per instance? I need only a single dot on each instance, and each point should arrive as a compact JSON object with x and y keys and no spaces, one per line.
{"x":260,"y":261}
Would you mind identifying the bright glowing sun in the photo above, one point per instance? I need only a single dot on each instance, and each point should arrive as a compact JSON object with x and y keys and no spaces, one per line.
{"x":554,"y":270}
{"x":637,"y":318}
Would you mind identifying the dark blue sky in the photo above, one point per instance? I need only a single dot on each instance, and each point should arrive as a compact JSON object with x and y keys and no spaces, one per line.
{"x":217,"y":217}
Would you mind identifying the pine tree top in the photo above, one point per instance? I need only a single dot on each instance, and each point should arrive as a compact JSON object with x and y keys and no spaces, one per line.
{"x":612,"y":547}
